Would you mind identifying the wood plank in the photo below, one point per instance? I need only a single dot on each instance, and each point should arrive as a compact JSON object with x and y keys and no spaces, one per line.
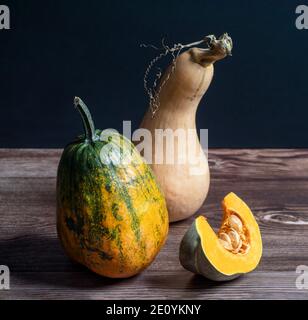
{"x":259,"y":164}
{"x":151,"y":285}
{"x":224,"y":163}
{"x":32,"y":203}
{"x":272,"y":182}
{"x":27,"y":163}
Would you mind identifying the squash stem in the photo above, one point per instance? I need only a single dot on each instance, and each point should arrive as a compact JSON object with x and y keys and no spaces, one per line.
{"x":217,"y":50}
{"x":87,"y":120}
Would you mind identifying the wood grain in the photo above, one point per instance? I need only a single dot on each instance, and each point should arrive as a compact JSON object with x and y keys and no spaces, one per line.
{"x":273,"y":182}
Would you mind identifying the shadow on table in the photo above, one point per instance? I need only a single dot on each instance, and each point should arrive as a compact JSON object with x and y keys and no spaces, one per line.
{"x":40,"y":260}
{"x":200,"y":282}
{"x":182,"y":284}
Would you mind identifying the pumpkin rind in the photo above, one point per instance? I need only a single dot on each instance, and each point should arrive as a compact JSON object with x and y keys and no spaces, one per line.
{"x":111,"y":218}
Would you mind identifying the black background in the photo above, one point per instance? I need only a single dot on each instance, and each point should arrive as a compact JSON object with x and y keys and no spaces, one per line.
{"x":58,"y":49}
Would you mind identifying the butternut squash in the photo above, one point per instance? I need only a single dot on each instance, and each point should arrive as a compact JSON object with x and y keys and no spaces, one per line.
{"x":184,"y":180}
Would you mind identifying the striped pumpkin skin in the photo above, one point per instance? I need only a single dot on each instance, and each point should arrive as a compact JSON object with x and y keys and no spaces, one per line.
{"x":112,"y":219}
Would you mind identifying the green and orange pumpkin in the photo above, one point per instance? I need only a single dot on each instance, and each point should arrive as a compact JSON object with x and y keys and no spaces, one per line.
{"x":111,"y":213}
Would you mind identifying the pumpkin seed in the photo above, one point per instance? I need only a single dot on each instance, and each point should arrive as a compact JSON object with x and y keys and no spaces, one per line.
{"x":223,"y":236}
{"x":226,"y":244}
{"x":225,"y":240}
{"x":238,"y":248}
{"x":235,"y":223}
{"x":232,"y":235}
{"x":235,"y":238}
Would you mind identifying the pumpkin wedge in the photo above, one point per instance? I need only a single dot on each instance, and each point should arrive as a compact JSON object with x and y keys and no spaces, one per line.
{"x":235,"y":250}
{"x":111,"y":214}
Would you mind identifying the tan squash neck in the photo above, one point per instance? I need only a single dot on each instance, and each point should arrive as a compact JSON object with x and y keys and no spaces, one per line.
{"x":177,"y":105}
{"x":178,"y":113}
{"x":186,"y":81}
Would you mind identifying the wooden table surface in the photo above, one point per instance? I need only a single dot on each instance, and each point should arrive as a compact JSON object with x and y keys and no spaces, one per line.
{"x":274,"y":183}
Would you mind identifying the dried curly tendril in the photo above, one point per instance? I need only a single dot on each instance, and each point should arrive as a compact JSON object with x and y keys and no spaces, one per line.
{"x":153,"y":90}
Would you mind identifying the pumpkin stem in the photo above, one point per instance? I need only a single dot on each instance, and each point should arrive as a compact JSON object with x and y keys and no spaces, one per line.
{"x":87,"y":120}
